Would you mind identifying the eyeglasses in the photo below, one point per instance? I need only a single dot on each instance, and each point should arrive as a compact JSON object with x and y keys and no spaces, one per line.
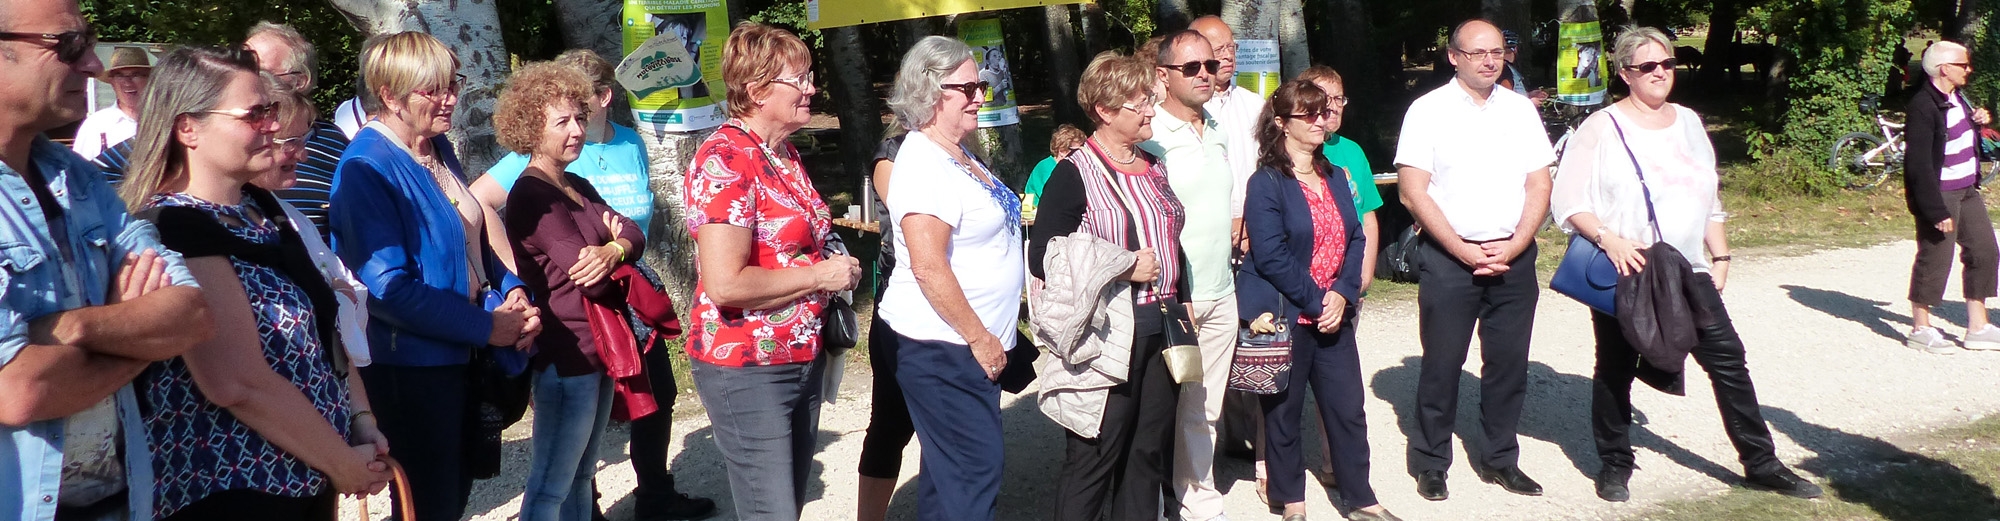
{"x":287,"y":75}
{"x":256,"y":115}
{"x":1962,"y":65}
{"x":69,"y":47}
{"x":971,"y":89}
{"x":457,"y":83}
{"x":1490,"y":54}
{"x":130,"y":74}
{"x":1221,"y":50}
{"x":1649,"y":67}
{"x":802,"y":81}
{"x":290,"y":144}
{"x":1338,"y":101}
{"x":1322,"y":114}
{"x":1190,"y":69}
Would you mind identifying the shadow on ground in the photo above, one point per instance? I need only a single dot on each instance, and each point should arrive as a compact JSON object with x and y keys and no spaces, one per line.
{"x":1897,"y":484}
{"x":1874,"y":314}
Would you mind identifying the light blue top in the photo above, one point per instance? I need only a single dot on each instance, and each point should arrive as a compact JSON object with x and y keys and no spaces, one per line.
{"x":616,"y":168}
{"x":31,"y":264}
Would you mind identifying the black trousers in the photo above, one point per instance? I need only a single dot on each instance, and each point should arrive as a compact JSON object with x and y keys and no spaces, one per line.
{"x":251,"y":505}
{"x":1330,"y":366}
{"x":652,"y":434}
{"x":1972,"y":237}
{"x":422,"y":411}
{"x":1127,"y":466}
{"x":1719,"y":352}
{"x":889,"y":424}
{"x":1450,"y":303}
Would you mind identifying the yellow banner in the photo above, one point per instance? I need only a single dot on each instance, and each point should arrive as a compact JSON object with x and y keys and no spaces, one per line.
{"x":826,"y":14}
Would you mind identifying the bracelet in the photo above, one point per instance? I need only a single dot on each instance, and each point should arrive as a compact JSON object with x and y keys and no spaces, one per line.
{"x":621,"y":249}
{"x":358,"y":414}
{"x":1718,"y":258}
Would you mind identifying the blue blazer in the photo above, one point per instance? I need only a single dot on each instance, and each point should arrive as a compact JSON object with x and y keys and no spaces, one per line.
{"x":1280,"y":227}
{"x":405,"y":240}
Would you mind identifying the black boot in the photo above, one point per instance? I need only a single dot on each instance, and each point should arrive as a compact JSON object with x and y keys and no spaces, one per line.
{"x":668,"y":504}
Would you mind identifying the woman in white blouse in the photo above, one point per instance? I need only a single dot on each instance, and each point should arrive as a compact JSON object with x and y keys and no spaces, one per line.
{"x":1599,"y":196}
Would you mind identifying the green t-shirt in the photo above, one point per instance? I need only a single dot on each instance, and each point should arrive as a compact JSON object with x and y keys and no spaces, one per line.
{"x":1040,"y":176}
{"x":1344,"y":153}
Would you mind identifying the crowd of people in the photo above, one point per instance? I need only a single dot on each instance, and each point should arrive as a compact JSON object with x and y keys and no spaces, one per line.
{"x":222,"y":305}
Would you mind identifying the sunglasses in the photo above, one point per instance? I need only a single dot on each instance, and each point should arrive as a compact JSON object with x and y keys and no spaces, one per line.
{"x":1323,"y":114}
{"x":1649,"y":67}
{"x":293,"y":143}
{"x":1190,"y":69}
{"x":1961,"y":65}
{"x":69,"y":47}
{"x":970,"y":89}
{"x":256,"y":115}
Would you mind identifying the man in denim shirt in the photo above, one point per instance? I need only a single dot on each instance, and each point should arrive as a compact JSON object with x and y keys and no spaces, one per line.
{"x":88,"y":297}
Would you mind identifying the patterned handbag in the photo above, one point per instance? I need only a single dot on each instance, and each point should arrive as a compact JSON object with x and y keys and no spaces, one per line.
{"x":1263,"y":362}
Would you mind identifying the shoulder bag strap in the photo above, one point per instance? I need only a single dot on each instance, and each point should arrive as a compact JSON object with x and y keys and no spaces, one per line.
{"x":1651,"y":216}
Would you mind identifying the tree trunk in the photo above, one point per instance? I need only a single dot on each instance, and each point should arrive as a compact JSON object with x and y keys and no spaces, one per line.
{"x":1964,"y":24}
{"x":1064,"y":71}
{"x":1094,"y":39}
{"x":1252,"y":19}
{"x":1171,"y":16}
{"x":669,"y":247}
{"x":1719,"y":50}
{"x":472,"y":30}
{"x":594,"y":25}
{"x":1294,"y":54}
{"x":859,"y":107}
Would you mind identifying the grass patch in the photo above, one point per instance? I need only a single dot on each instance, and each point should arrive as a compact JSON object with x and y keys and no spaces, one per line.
{"x":1947,"y":475}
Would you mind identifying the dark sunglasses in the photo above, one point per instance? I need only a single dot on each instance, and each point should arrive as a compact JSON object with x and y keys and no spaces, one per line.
{"x":257,"y":115}
{"x":69,"y":47}
{"x":1190,"y":69}
{"x":1309,"y":116}
{"x":1649,"y":67}
{"x":970,"y":89}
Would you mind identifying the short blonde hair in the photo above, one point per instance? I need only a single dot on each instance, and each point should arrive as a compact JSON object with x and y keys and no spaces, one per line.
{"x":755,"y":55}
{"x":406,"y":62}
{"x":521,"y":113}
{"x":1111,"y":80}
{"x":1316,"y":73}
{"x":1637,"y":37}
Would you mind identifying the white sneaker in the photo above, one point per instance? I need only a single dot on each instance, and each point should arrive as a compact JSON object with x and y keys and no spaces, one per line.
{"x":1985,"y":339}
{"x":1930,"y":340}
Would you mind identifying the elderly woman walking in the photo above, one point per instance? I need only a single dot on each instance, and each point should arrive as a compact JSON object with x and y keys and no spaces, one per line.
{"x":761,"y":232}
{"x":1941,"y":180}
{"x":1112,"y":190}
{"x":1641,"y":158}
{"x":955,"y":307}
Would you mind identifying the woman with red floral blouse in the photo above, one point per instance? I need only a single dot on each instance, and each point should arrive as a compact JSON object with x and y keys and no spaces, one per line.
{"x":760,"y":229}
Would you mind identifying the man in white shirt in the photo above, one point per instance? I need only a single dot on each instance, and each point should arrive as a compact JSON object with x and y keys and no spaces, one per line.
{"x":1473,"y":166}
{"x":1237,"y":108}
{"x":127,"y":74}
{"x":1192,"y":145}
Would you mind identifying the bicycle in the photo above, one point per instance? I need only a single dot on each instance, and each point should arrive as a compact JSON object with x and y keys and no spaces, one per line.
{"x":1860,"y":160}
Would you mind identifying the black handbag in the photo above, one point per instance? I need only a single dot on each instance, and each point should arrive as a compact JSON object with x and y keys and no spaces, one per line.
{"x":840,"y":329}
{"x":1399,"y":259}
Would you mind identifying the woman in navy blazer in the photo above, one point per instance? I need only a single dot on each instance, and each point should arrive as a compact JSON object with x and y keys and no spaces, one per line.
{"x":1304,"y":269}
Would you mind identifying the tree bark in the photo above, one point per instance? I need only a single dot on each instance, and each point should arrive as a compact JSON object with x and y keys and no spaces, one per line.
{"x":1252,"y":19}
{"x":1094,"y":40}
{"x":1294,"y":54}
{"x":1964,"y":24}
{"x":859,"y":107}
{"x":471,"y":28}
{"x":1064,"y":71}
{"x":669,"y":245}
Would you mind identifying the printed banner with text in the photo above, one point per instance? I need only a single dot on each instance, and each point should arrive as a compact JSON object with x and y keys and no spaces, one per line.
{"x":673,"y":62}
{"x":827,"y":14}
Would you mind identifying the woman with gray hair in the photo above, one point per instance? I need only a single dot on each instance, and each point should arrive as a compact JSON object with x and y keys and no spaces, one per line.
{"x":1627,"y":195}
{"x":955,"y":308}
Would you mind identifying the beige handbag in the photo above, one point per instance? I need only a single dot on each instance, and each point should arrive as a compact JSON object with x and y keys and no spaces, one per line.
{"x":1183,"y":352}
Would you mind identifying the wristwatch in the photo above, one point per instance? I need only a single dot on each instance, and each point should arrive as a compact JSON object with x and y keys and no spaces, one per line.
{"x":1602,"y":230}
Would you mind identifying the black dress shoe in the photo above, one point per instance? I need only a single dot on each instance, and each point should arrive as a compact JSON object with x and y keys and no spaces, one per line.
{"x":1783,"y":482}
{"x":673,"y":506}
{"x":1430,"y":485}
{"x":1611,"y":484}
{"x":1511,"y":479}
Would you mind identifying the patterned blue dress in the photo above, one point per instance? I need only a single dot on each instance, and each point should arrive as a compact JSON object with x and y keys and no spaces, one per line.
{"x":199,"y":448}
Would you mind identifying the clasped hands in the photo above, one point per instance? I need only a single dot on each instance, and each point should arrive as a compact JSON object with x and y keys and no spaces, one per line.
{"x":1489,"y":258}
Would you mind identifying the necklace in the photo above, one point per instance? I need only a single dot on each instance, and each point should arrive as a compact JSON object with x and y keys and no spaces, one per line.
{"x":1134,"y":156}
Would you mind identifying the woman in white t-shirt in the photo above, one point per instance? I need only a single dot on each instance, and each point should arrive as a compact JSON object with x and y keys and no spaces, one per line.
{"x":1600,"y":197}
{"x":955,"y":307}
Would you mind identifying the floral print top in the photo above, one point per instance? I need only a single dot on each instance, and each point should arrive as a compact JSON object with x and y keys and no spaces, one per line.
{"x":735,"y":179}
{"x":1329,"y":235}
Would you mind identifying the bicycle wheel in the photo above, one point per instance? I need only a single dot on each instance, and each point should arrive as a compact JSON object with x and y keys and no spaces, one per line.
{"x":1851,"y":165}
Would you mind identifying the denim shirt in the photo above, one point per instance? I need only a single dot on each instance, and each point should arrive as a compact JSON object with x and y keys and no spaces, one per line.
{"x":31,"y":277}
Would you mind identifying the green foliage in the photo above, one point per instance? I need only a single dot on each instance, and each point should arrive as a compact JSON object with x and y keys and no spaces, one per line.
{"x":1985,"y":85}
{"x":1136,"y":16}
{"x":225,"y":22}
{"x":529,"y":30}
{"x":1840,"y":51}
{"x":791,"y":16}
{"x":1782,"y":173}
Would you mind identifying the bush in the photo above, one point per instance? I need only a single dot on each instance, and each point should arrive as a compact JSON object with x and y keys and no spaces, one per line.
{"x":1840,"y":51}
{"x":1787,"y":172}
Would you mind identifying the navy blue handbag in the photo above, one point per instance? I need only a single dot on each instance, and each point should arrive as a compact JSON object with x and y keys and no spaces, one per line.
{"x":1586,"y":273}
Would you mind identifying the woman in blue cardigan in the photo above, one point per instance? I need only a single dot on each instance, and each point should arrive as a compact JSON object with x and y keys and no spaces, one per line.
{"x":1304,"y":271}
{"x":402,"y":217}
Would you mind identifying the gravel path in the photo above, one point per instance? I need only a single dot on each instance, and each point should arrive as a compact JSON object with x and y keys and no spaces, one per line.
{"x":1824,"y":333}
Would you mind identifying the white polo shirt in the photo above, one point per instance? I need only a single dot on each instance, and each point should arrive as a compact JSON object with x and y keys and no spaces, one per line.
{"x":1198,"y":171}
{"x":1238,"y":109}
{"x":1479,"y":156}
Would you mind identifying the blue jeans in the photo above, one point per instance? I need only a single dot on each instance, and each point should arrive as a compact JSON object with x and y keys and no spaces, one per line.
{"x":956,"y":410}
{"x":570,"y":415}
